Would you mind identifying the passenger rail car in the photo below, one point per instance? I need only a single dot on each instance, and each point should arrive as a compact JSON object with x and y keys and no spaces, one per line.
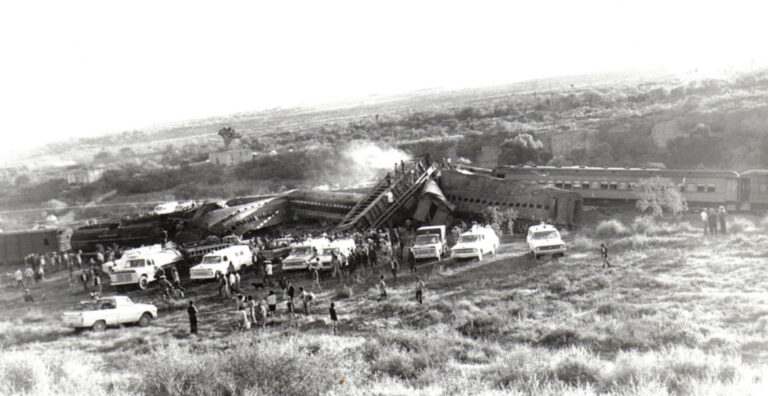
{"x":472,"y":193}
{"x":608,"y":185}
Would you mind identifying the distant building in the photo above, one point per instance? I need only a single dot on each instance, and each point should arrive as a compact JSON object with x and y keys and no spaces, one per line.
{"x":84,"y":176}
{"x":230,"y":157}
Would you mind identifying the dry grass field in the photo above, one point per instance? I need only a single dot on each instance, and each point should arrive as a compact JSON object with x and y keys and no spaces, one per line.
{"x":679,"y":313}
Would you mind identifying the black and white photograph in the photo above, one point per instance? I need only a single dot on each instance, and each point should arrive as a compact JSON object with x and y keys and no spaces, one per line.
{"x":233,"y":198}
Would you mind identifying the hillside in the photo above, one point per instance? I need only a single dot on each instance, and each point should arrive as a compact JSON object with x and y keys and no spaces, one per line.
{"x":677,"y":314}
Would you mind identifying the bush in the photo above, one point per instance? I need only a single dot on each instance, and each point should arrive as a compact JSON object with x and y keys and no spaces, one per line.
{"x":740,"y":224}
{"x":611,"y":229}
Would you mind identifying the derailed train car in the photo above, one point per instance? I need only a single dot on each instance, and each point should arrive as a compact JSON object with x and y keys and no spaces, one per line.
{"x":473,"y":192}
{"x":16,"y":245}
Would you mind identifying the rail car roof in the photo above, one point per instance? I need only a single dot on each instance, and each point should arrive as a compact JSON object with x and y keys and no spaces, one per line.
{"x":755,"y":172}
{"x":591,"y":169}
{"x":34,"y":231}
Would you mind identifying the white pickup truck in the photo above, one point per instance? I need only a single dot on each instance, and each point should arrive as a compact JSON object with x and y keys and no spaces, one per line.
{"x":109,"y":311}
{"x":430,"y":243}
{"x":140,"y":269}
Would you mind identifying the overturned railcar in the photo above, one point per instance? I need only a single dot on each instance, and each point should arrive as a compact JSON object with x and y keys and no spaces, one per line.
{"x":472,"y":193}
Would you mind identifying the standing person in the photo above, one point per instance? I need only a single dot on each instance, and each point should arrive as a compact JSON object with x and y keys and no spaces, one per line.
{"x":29,"y":274}
{"x":176,"y":279}
{"x":244,"y":322}
{"x":272,"y":303}
{"x":96,"y":283}
{"x":268,"y":274}
{"x":314,"y":268}
{"x":604,"y":254}
{"x":79,"y":259}
{"x":192,"y":312}
{"x":712,"y":218}
{"x":419,"y":290}
{"x":261,"y":314}
{"x":251,"y":306}
{"x":705,"y":221}
{"x":237,"y":279}
{"x":411,"y":261}
{"x":306,"y":298}
{"x":393,"y":266}
{"x":382,"y":289}
{"x":721,"y":215}
{"x":84,"y":279}
{"x":290,"y":292}
{"x":223,"y":288}
{"x":19,"y":277}
{"x":334,"y":318}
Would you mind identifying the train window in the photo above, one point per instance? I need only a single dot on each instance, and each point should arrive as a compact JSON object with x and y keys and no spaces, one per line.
{"x":546,"y":206}
{"x":622,"y":186}
{"x":567,"y":186}
{"x":46,"y":242}
{"x":595,"y":186}
{"x":577,"y":184}
{"x":538,"y":206}
{"x":585,"y":185}
{"x":559,"y":184}
{"x":633,"y":186}
{"x":711,"y":188}
{"x":603,"y":186}
{"x":614,"y":186}
{"x":690,"y":187}
{"x":701,"y":188}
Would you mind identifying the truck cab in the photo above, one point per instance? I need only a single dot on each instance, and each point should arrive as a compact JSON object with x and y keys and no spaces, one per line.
{"x":476,"y":243}
{"x":302,"y":253}
{"x":545,"y":239}
{"x":140,"y":268}
{"x":342,"y":247}
{"x":430,"y":243}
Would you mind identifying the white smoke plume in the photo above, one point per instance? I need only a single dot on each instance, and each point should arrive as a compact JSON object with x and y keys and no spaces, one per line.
{"x":363,"y":162}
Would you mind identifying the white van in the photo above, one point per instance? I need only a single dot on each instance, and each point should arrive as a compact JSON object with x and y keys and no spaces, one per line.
{"x":218,"y":262}
{"x":545,"y":239}
{"x":476,"y":242}
{"x":429,"y":243}
{"x":342,"y":247}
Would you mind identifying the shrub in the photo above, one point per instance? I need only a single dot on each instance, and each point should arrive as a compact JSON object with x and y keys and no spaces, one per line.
{"x":611,"y":228}
{"x":584,"y":243}
{"x":740,"y":224}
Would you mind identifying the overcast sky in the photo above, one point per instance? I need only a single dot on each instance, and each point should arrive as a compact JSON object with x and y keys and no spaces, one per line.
{"x":72,"y":68}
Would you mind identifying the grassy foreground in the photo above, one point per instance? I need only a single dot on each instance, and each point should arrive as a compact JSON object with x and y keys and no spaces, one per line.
{"x":679,"y":314}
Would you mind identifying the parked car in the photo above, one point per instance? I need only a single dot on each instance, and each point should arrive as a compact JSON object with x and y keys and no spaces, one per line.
{"x":477,"y":242}
{"x":109,"y":311}
{"x":545,"y":239}
{"x":430,"y":243}
{"x":238,"y":256}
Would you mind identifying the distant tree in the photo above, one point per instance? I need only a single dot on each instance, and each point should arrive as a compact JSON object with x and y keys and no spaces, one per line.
{"x":521,"y":149}
{"x":502,"y":221}
{"x":22,"y":181}
{"x":126,"y":152}
{"x":102,"y":156}
{"x":229,"y":135}
{"x":659,"y":195}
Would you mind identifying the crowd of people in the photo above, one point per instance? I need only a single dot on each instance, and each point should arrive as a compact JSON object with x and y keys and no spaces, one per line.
{"x":712,"y":218}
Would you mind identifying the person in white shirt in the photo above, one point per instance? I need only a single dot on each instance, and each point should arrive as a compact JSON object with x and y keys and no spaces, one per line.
{"x":705,"y":220}
{"x":19,"y":276}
